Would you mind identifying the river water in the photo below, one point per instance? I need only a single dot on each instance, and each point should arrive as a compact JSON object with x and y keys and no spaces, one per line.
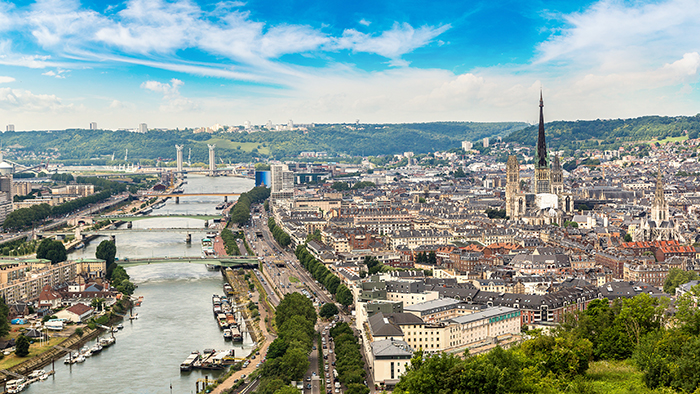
{"x":176,"y":316}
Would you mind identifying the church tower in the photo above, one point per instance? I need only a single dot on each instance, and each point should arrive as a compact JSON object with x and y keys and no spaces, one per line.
{"x":542,"y":171}
{"x":557,"y":177}
{"x":512,"y":187}
{"x":659,"y":208}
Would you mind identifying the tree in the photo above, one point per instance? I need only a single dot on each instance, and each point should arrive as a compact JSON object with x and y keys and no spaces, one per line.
{"x":106,"y":251}
{"x":4,"y":320}
{"x":287,"y":390}
{"x":292,"y":305}
{"x":22,"y":346}
{"x":328,"y":310}
{"x":51,"y":250}
{"x":676,"y":277}
{"x":343,"y":295}
{"x":340,"y":186}
{"x":277,"y":348}
{"x":628,"y":238}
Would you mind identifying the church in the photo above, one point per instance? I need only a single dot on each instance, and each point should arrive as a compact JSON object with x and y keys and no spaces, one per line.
{"x":660,"y":227}
{"x":549,"y":203}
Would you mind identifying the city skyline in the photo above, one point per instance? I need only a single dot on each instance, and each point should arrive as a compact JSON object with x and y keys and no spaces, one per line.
{"x":64,"y":64}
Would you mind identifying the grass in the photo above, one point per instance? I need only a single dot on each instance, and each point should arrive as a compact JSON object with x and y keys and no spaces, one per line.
{"x":617,"y":377}
{"x":34,"y":350}
{"x":245,"y":146}
{"x":668,"y":139}
{"x":294,"y":279}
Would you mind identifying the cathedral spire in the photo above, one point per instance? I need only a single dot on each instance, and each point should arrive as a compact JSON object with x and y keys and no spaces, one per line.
{"x":659,"y":208}
{"x":542,"y":160}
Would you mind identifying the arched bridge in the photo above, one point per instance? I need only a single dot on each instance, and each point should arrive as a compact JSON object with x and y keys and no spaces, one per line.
{"x":225,"y":262}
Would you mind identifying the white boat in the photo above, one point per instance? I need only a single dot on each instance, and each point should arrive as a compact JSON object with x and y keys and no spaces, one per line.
{"x":120,"y":326}
{"x":134,"y":317}
{"x":36,"y":373}
{"x":16,"y":386}
{"x":80,"y":359}
{"x":96,"y":348}
{"x":107,"y":341}
{"x":115,"y":329}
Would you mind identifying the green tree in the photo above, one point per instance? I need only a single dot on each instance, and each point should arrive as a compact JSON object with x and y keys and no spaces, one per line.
{"x":4,"y":319}
{"x":340,"y":186}
{"x":51,"y":250}
{"x":277,"y":348}
{"x":106,"y":251}
{"x":328,"y":310}
{"x":292,"y":305}
{"x":287,"y":390}
{"x":676,"y":277}
{"x":343,"y":295}
{"x":22,"y":346}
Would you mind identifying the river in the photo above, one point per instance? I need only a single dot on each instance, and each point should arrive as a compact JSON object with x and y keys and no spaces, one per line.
{"x":176,"y":316}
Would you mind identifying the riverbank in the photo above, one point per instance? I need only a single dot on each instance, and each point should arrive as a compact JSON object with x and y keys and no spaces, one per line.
{"x":58,"y":350}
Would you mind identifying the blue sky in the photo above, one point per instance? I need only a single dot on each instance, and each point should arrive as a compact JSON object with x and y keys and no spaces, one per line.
{"x":182,"y":63}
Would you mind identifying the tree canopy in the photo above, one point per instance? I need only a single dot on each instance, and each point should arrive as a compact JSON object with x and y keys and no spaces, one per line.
{"x":51,"y":250}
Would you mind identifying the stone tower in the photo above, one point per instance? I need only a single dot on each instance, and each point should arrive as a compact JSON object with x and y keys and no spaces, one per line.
{"x":659,"y":208}
{"x":542,"y":171}
{"x":512,"y":186}
{"x":557,"y":177}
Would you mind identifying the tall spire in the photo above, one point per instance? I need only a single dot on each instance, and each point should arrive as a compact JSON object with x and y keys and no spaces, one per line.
{"x":542,"y":160}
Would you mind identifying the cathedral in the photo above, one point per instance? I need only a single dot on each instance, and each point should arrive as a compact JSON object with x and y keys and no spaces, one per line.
{"x":549,"y":203}
{"x":660,"y":227}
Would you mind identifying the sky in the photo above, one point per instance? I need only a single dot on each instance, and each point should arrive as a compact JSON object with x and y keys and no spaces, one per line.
{"x":186,"y":63}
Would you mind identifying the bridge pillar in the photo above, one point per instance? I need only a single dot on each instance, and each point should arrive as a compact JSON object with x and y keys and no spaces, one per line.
{"x":78,"y":234}
{"x":206,"y":224}
{"x":225,"y":198}
{"x":129,"y":224}
{"x":113,"y":238}
{"x":177,"y":200}
{"x":188,"y":239}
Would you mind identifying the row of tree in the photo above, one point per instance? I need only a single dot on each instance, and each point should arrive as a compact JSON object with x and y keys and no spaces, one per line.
{"x":287,"y":355}
{"x":240,"y":214}
{"x":349,"y":362}
{"x":324,"y":276}
{"x":230,"y":242}
{"x":280,"y":235}
{"x":25,"y":217}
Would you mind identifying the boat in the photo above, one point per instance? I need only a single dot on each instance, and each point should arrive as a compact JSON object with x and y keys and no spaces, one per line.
{"x":79,"y":246}
{"x":120,"y":326}
{"x":189,"y":361}
{"x":134,"y":317}
{"x":236,"y":335}
{"x":227,"y":334}
{"x":16,"y":385}
{"x":115,"y":329}
{"x":221,"y":320}
{"x":231,"y":320}
{"x":36,"y":374}
{"x":80,"y":359}
{"x":107,"y":342}
{"x":221,"y":206}
{"x":96,"y":348}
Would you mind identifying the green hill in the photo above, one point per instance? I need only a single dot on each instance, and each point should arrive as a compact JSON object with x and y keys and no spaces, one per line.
{"x":97,"y":146}
{"x":610,"y":133}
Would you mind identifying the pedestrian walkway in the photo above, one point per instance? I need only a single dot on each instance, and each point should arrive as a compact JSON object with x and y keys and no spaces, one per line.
{"x":268,"y":338}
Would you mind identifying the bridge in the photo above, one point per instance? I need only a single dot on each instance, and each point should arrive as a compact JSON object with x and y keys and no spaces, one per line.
{"x":142,"y":217}
{"x":225,"y":262}
{"x":135,"y":230}
{"x":191,"y":194}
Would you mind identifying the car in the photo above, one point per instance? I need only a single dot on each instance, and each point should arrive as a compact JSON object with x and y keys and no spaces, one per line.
{"x":308,"y":378}
{"x":308,"y":386}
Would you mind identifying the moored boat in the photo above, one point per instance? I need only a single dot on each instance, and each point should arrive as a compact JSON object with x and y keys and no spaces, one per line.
{"x":189,"y":361}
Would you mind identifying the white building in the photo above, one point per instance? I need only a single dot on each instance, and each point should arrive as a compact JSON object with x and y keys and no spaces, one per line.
{"x":143,"y":128}
{"x":93,"y":125}
{"x":10,"y":127}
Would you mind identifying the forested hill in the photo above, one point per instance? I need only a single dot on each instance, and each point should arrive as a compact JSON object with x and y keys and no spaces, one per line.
{"x":97,"y":146}
{"x":608,"y":133}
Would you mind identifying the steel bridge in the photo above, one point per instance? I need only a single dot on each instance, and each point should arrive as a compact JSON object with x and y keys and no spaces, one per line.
{"x":225,"y":262}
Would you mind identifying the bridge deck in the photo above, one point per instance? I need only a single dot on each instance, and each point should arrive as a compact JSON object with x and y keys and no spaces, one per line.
{"x":217,"y":261}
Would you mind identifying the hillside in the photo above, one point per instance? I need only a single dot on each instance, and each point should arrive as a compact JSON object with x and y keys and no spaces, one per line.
{"x":97,"y":146}
{"x":608,"y":134}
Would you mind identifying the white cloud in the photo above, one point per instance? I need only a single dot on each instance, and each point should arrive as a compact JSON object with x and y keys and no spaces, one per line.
{"x":26,"y":101}
{"x":392,"y":44}
{"x":615,"y":34}
{"x":61,"y":22}
{"x":59,"y":73}
{"x":173,"y":100}
{"x":364,"y":22}
{"x":4,"y":79}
